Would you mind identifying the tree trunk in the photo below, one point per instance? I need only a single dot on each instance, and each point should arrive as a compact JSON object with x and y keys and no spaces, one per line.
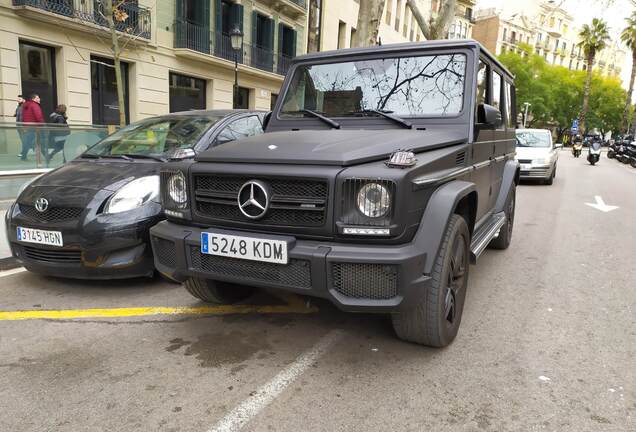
{"x":434,"y":28}
{"x":368,"y":27}
{"x":628,"y":102}
{"x":108,"y":12}
{"x":586,"y":92}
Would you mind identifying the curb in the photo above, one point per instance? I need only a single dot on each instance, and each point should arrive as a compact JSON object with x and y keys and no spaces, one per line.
{"x":9,"y":263}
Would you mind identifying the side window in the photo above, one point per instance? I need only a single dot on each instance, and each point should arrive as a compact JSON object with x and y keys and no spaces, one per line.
{"x":496,"y":91}
{"x":509,"y":105}
{"x":482,"y":83}
{"x":241,"y":128}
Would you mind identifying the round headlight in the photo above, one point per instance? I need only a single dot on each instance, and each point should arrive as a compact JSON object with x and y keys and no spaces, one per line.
{"x":177,"y":189}
{"x":374,"y":200}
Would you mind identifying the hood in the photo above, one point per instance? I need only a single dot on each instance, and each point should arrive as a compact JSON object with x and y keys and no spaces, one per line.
{"x":330,"y":147}
{"x":97,"y":175}
{"x":532,"y":152}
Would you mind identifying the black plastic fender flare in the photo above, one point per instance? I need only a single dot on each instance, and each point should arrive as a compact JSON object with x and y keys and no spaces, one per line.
{"x":510,"y":177}
{"x":438,"y":212}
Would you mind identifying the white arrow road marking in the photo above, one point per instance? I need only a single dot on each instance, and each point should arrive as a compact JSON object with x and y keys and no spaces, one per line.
{"x":600,"y":205}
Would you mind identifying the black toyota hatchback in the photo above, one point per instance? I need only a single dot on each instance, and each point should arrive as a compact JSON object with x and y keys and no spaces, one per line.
{"x":90,"y":218}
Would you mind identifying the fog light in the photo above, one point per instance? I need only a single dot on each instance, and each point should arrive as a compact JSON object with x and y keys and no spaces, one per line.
{"x":366,"y":231}
{"x":174,"y":213}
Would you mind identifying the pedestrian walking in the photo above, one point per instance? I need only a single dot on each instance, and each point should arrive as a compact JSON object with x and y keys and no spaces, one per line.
{"x":58,"y":134}
{"x":18,"y":109}
{"x":31,"y":113}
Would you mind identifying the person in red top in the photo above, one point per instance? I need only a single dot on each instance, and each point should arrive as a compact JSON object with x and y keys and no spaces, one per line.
{"x":31,"y":113}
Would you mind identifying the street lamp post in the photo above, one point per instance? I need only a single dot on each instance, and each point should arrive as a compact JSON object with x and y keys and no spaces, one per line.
{"x":525,"y":114}
{"x":236,"y":40}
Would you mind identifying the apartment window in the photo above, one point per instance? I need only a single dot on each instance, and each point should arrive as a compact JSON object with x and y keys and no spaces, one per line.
{"x":262,"y":41}
{"x":527,"y":39}
{"x":389,"y":10}
{"x":505,"y":33}
{"x":398,"y":14}
{"x":314,"y":25}
{"x":469,"y":13}
{"x":342,"y":32}
{"x":352,"y":39}
{"x":272,"y":101}
{"x":243,"y":99}
{"x":192,"y":18}
{"x":551,"y":21}
{"x":564,"y":46}
{"x":37,"y":73}
{"x":186,"y":93}
{"x":570,"y":66}
{"x":539,"y":36}
{"x":105,"y":104}
{"x":513,"y":37}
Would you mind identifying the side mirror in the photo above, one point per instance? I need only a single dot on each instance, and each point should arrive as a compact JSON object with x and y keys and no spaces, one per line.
{"x":489,"y":115}
{"x":266,"y":118}
{"x":558,"y":146}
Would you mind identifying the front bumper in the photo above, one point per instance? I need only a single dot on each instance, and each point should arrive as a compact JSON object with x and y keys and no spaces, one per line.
{"x":104,"y":249}
{"x":356,"y":278}
{"x":536,"y":172}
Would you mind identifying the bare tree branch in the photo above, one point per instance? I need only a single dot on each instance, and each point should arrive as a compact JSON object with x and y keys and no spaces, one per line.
{"x":434,"y":27}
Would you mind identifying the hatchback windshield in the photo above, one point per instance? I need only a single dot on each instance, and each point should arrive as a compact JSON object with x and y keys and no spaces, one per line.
{"x":155,"y":137}
{"x":533,"y":139}
{"x":431,"y":85}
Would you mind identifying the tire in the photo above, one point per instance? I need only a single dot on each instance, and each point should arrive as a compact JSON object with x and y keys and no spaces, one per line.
{"x":217,"y":292}
{"x":611,"y":155}
{"x":633,"y":163}
{"x":550,"y":180}
{"x":502,"y":241}
{"x":434,"y":317}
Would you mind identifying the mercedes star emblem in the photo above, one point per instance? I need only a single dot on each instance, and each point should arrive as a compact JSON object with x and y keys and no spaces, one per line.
{"x":253,"y":199}
{"x":41,"y":204}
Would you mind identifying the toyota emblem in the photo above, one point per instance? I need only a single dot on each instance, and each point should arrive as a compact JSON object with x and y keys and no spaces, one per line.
{"x":253,"y":199}
{"x":41,"y":204}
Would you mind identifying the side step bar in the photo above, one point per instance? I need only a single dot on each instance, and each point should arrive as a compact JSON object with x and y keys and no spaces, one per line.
{"x":485,"y":234}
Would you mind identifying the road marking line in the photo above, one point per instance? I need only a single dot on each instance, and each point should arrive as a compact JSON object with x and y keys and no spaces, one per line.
{"x":251,"y":407}
{"x":295,"y":305}
{"x":12,"y":272}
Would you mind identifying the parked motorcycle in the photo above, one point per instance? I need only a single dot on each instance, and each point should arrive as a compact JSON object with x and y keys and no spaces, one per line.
{"x":612,"y":149}
{"x":594,"y":152}
{"x":576,"y":149}
{"x":630,"y":153}
{"x":621,"y":152}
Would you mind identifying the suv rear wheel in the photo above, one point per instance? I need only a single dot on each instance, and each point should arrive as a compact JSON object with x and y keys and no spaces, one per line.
{"x":502,"y":241}
{"x":218,"y":292}
{"x":435,"y":317}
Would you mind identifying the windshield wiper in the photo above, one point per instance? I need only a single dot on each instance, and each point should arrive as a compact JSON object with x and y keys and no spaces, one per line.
{"x":327,"y":120}
{"x":144,"y":156}
{"x":89,"y":156}
{"x":388,"y":115}
{"x":116,"y":156}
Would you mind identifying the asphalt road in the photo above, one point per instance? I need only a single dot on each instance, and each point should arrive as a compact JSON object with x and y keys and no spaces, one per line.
{"x":547,"y":342}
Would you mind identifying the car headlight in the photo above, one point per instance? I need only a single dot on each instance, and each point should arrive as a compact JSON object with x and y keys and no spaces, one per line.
{"x":177,"y":190}
{"x":374,"y":200}
{"x":133,"y":195}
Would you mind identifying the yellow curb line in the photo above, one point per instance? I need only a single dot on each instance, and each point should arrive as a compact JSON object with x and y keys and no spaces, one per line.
{"x":295,"y":306}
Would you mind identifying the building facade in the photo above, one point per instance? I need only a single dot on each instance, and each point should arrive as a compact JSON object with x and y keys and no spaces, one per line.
{"x":550,"y":32}
{"x":177,"y":55}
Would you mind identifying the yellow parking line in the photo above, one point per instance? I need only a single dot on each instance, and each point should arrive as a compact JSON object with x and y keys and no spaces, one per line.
{"x":295,"y":306}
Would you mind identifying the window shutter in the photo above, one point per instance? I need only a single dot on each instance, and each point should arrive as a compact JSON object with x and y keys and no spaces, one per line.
{"x":294,"y":37}
{"x":281,"y":28}
{"x":270,"y":34}
{"x":179,"y":10}
{"x":236,"y":14}
{"x":254,"y":28}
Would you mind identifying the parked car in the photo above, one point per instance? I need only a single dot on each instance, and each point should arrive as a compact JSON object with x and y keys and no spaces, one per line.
{"x":90,"y":217}
{"x":537,"y":155}
{"x":327,"y":202}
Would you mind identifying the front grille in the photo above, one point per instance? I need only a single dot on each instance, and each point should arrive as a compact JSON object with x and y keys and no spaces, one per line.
{"x":296,"y":274}
{"x":165,"y":251}
{"x":53,"y":214}
{"x":525,"y":161}
{"x":52,"y":255}
{"x":293,"y":202}
{"x":535,"y":172}
{"x":365,"y":281}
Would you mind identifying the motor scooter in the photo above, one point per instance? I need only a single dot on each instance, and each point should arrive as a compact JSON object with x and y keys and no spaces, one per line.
{"x":577,"y":147}
{"x":630,"y":153}
{"x":594,"y":152}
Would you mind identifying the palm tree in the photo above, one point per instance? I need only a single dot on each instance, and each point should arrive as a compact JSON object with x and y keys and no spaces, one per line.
{"x":628,"y":36}
{"x":592,"y":39}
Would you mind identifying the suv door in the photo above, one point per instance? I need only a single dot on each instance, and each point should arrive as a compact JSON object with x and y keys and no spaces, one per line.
{"x":503,"y":136}
{"x":483,"y":144}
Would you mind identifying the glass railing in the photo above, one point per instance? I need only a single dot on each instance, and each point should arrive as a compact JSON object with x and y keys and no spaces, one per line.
{"x":25,"y":147}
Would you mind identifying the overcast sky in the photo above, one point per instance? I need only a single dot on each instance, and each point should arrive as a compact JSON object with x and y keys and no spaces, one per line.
{"x":613,"y":12}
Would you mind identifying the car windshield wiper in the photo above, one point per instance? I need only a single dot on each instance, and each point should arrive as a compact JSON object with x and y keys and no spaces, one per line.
{"x":143,"y":156}
{"x":89,"y":156}
{"x":117,"y":156}
{"x":327,"y":120}
{"x":388,"y":115}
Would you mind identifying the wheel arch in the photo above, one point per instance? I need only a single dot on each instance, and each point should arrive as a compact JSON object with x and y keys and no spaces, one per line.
{"x":510,"y":179}
{"x":448,"y":199}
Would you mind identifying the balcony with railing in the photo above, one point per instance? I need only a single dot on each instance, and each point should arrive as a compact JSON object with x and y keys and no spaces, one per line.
{"x":134,"y":20}
{"x":202,"y":40}
{"x":291,"y":8}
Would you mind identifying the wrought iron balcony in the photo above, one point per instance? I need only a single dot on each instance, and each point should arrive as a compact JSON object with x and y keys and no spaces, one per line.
{"x":137,"y":22}
{"x":201,"y":39}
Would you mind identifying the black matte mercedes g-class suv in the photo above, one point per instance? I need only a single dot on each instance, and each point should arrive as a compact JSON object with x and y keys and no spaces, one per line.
{"x":382,"y":174}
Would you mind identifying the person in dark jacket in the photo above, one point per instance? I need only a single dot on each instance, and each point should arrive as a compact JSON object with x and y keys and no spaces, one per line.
{"x":57,"y":137}
{"x":18,"y":109}
{"x":31,"y":113}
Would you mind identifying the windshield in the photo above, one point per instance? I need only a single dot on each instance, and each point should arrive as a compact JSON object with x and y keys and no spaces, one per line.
{"x":533,"y":139}
{"x":155,"y":137}
{"x":430,"y":85}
